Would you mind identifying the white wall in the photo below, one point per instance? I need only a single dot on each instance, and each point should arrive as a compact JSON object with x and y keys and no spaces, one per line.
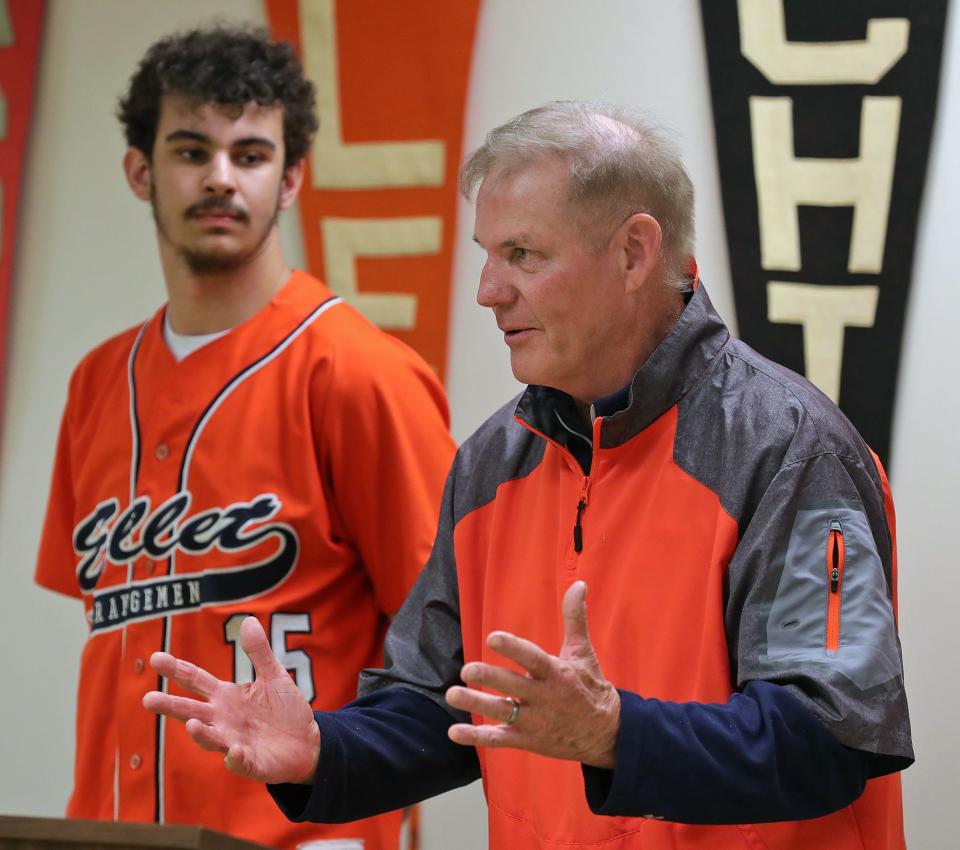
{"x":925,"y":476}
{"x":87,"y":268}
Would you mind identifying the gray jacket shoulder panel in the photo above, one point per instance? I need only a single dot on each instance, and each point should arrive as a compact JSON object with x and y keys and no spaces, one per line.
{"x":500,"y":450}
{"x":748,"y":418}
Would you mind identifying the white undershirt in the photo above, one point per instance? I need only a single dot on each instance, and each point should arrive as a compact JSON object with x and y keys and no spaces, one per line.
{"x":181,"y":345}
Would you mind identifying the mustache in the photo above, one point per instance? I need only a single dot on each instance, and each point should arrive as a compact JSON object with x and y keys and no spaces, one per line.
{"x":216,"y":203}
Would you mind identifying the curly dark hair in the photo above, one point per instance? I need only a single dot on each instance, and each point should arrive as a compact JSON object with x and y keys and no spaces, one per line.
{"x":225,"y":65}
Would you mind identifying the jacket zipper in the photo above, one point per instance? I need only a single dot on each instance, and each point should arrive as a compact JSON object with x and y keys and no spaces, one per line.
{"x":836,"y":555}
{"x":584,"y":499}
{"x":581,"y":505}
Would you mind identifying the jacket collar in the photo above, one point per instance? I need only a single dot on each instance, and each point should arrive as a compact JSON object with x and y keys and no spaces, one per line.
{"x":674,"y":368}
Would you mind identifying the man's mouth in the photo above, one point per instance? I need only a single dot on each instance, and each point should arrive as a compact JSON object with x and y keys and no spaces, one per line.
{"x":217,"y":218}
{"x":516,"y":334}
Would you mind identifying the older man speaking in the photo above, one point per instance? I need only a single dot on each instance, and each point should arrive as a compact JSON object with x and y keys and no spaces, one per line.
{"x":740,"y":682}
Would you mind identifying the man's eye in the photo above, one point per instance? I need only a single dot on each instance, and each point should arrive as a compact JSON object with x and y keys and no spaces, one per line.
{"x":521,"y":254}
{"x":191,"y":154}
{"x":250,"y":158}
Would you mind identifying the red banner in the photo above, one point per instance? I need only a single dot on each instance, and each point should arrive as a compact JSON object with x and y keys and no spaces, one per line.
{"x":379,"y":202}
{"x":20,"y":24}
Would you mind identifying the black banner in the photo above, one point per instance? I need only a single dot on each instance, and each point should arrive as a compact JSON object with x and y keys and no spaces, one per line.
{"x":823,"y":115}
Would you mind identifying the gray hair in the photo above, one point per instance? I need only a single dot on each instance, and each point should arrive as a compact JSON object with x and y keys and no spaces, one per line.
{"x":620,"y":164}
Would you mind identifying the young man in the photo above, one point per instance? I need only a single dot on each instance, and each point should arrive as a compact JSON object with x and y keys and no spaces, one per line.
{"x":740,"y":684}
{"x":255,"y":448}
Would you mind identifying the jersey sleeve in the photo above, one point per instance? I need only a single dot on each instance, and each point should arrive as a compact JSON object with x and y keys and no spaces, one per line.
{"x":55,"y":559}
{"x":810,"y":605}
{"x":389,"y":450}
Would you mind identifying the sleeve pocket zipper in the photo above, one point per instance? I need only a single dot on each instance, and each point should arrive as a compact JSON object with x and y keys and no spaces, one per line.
{"x":836,"y":555}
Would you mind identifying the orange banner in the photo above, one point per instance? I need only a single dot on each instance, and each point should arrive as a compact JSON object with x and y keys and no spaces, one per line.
{"x":20,"y":25}
{"x":380,"y":196}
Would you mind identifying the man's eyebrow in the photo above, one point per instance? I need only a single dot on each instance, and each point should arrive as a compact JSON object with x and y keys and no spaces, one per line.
{"x":186,"y":135}
{"x":193,"y":136}
{"x":507,"y":243}
{"x":260,"y":141}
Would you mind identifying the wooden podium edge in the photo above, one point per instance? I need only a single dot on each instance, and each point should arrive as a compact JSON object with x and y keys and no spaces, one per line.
{"x":29,"y":832}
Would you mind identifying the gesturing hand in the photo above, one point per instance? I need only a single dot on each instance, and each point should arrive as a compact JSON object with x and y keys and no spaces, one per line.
{"x":264,"y":728}
{"x":566,"y":708}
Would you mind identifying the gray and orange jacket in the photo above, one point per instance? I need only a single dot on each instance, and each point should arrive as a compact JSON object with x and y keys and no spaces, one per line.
{"x":737,"y":538}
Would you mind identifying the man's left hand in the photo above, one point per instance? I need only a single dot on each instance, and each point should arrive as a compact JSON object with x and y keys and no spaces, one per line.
{"x":567,"y":709}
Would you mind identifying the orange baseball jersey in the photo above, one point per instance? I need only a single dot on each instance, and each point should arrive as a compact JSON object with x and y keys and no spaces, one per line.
{"x":291,"y":469}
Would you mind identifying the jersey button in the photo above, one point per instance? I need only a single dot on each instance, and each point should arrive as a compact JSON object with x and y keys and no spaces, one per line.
{"x":138,"y":665}
{"x":162,"y":451}
{"x":135,"y":761}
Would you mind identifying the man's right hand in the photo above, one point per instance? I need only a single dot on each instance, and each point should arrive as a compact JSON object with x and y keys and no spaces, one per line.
{"x":265,"y":729}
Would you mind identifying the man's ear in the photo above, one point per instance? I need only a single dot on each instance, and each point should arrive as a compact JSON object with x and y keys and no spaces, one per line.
{"x":640,"y":240}
{"x":290,"y":184}
{"x":136,"y":167}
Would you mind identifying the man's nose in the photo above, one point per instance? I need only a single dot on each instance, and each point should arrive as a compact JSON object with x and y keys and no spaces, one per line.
{"x":494,"y":289}
{"x":220,"y":178}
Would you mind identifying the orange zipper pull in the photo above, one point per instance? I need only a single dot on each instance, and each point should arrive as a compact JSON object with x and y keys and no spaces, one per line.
{"x":836,"y":540}
{"x":836,"y":555}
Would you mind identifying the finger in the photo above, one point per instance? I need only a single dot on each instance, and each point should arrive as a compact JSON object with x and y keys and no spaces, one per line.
{"x":185,"y":674}
{"x":179,"y":708}
{"x":526,"y":653}
{"x":237,"y":761}
{"x":497,"y":679}
{"x":496,"y":708}
{"x":253,"y":640}
{"x":574,"y":608}
{"x":207,"y":737}
{"x":164,"y":663}
{"x":485,"y":736}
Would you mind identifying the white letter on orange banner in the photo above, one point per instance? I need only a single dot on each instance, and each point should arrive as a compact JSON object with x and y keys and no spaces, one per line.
{"x":824,"y":312}
{"x":763,"y":40}
{"x":345,"y":239}
{"x":785,"y":181}
{"x":360,"y":165}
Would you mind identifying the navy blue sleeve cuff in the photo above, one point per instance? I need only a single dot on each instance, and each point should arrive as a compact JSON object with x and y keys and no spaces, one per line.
{"x":381,"y":752}
{"x":762,"y":756}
